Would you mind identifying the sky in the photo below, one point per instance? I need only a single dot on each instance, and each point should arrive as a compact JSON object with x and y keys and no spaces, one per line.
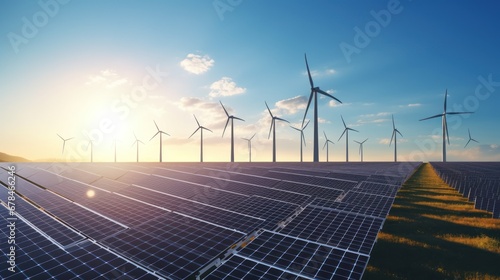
{"x":106,"y":70}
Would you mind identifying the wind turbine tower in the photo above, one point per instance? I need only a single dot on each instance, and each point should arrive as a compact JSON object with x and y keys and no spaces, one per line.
{"x":273,"y":129}
{"x":395,"y":131}
{"x":302,"y":138}
{"x":346,"y":131}
{"x":249,"y":140}
{"x":314,"y":94}
{"x":159,"y":132}
{"x":232,"y":118}
{"x":444,"y":123}
{"x":137,"y":141}
{"x":201,"y":128}
{"x":361,"y":148}
{"x":327,"y":141}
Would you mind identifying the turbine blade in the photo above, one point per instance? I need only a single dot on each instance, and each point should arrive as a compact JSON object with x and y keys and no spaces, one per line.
{"x":296,"y":128}
{"x":156,"y":126}
{"x":270,"y":128}
{"x":223,"y":108}
{"x":467,"y":143}
{"x":348,"y":128}
{"x":326,"y":143}
{"x":325,"y":135}
{"x":393,"y":125}
{"x":329,"y":95}
{"x":280,"y":119}
{"x":303,"y":137}
{"x":304,"y":127}
{"x":154,"y":135}
{"x":446,"y":126}
{"x":392,"y":137}
{"x":474,"y":140}
{"x":69,"y":139}
{"x":445,"y":98}
{"x":206,"y":129}
{"x":60,"y":137}
{"x":343,"y":121}
{"x":307,"y":107}
{"x":469,"y":132}
{"x":458,"y":113}
{"x":252,"y":137}
{"x":436,"y":116}
{"x":269,"y":110}
{"x":195,"y":132}
{"x":197,"y":122}
{"x":225,"y":126}
{"x":364,"y":141}
{"x":356,"y":141}
{"x":342,"y":134}
{"x":164,"y":133}
{"x":399,"y":133}
{"x":238,"y":118}
{"x":309,"y":72}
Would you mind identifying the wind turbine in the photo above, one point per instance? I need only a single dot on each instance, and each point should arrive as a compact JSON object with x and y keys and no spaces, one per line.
{"x":91,"y":144}
{"x":314,"y":93}
{"x":201,"y":128}
{"x":326,"y":144}
{"x":346,"y":131}
{"x":394,"y":136}
{"x":470,"y":139}
{"x":444,"y":123}
{"x":301,"y":137}
{"x":361,"y":148}
{"x":273,"y":128}
{"x":137,"y":141}
{"x":159,"y":132}
{"x":249,"y":147}
{"x":232,"y":118}
{"x":115,"y":148}
{"x":64,"y":141}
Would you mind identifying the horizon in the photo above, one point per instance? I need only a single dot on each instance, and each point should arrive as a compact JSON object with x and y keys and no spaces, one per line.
{"x":85,"y":69}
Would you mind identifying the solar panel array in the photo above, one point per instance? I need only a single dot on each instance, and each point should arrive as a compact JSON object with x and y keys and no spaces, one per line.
{"x":198,"y":221}
{"x":478,"y":181}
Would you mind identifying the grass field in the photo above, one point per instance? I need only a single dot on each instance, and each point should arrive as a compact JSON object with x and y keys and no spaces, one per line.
{"x":432,"y":232}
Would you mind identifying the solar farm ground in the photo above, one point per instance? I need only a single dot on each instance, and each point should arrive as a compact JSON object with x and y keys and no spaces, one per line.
{"x":192,"y":220}
{"x":433,"y":232}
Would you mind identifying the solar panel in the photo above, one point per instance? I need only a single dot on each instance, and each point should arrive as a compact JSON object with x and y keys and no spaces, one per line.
{"x":271,"y":210}
{"x":86,"y":222}
{"x":377,"y":188}
{"x":381,"y":203}
{"x":38,"y":258}
{"x":110,"y":185}
{"x":59,"y":232}
{"x":348,"y":231}
{"x":105,"y":170}
{"x":304,"y":258}
{"x":174,"y":245}
{"x":315,"y":191}
{"x":349,"y":208}
{"x":44,"y":178}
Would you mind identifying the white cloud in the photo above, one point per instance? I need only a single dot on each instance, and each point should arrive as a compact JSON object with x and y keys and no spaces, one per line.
{"x":197,"y":64}
{"x":225,"y":87}
{"x":414,"y":105}
{"x":292,"y":105}
{"x":386,"y":141}
{"x":381,"y":114}
{"x":109,"y":78}
{"x":318,"y":73}
{"x":321,"y":120}
{"x":333,"y":103}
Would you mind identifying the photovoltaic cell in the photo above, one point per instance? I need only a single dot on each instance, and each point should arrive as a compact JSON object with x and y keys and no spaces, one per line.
{"x":271,"y":210}
{"x":380,"y":189}
{"x":378,"y":202}
{"x":314,"y":191}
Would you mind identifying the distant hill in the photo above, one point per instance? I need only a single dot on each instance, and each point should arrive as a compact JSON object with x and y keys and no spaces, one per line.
{"x":9,"y":158}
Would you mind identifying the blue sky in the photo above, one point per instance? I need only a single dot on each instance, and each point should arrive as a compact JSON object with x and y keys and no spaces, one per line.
{"x":107,"y":69}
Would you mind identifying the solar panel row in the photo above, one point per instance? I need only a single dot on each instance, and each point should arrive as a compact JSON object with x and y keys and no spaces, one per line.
{"x":478,"y":181}
{"x":178,"y":220}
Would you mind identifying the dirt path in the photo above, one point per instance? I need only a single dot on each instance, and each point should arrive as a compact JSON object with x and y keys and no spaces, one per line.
{"x":432,"y":232}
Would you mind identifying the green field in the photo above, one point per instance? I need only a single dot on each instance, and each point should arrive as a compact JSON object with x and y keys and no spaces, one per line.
{"x":432,"y":232}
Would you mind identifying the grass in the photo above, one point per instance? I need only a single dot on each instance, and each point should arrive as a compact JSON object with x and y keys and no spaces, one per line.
{"x":432,"y":232}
